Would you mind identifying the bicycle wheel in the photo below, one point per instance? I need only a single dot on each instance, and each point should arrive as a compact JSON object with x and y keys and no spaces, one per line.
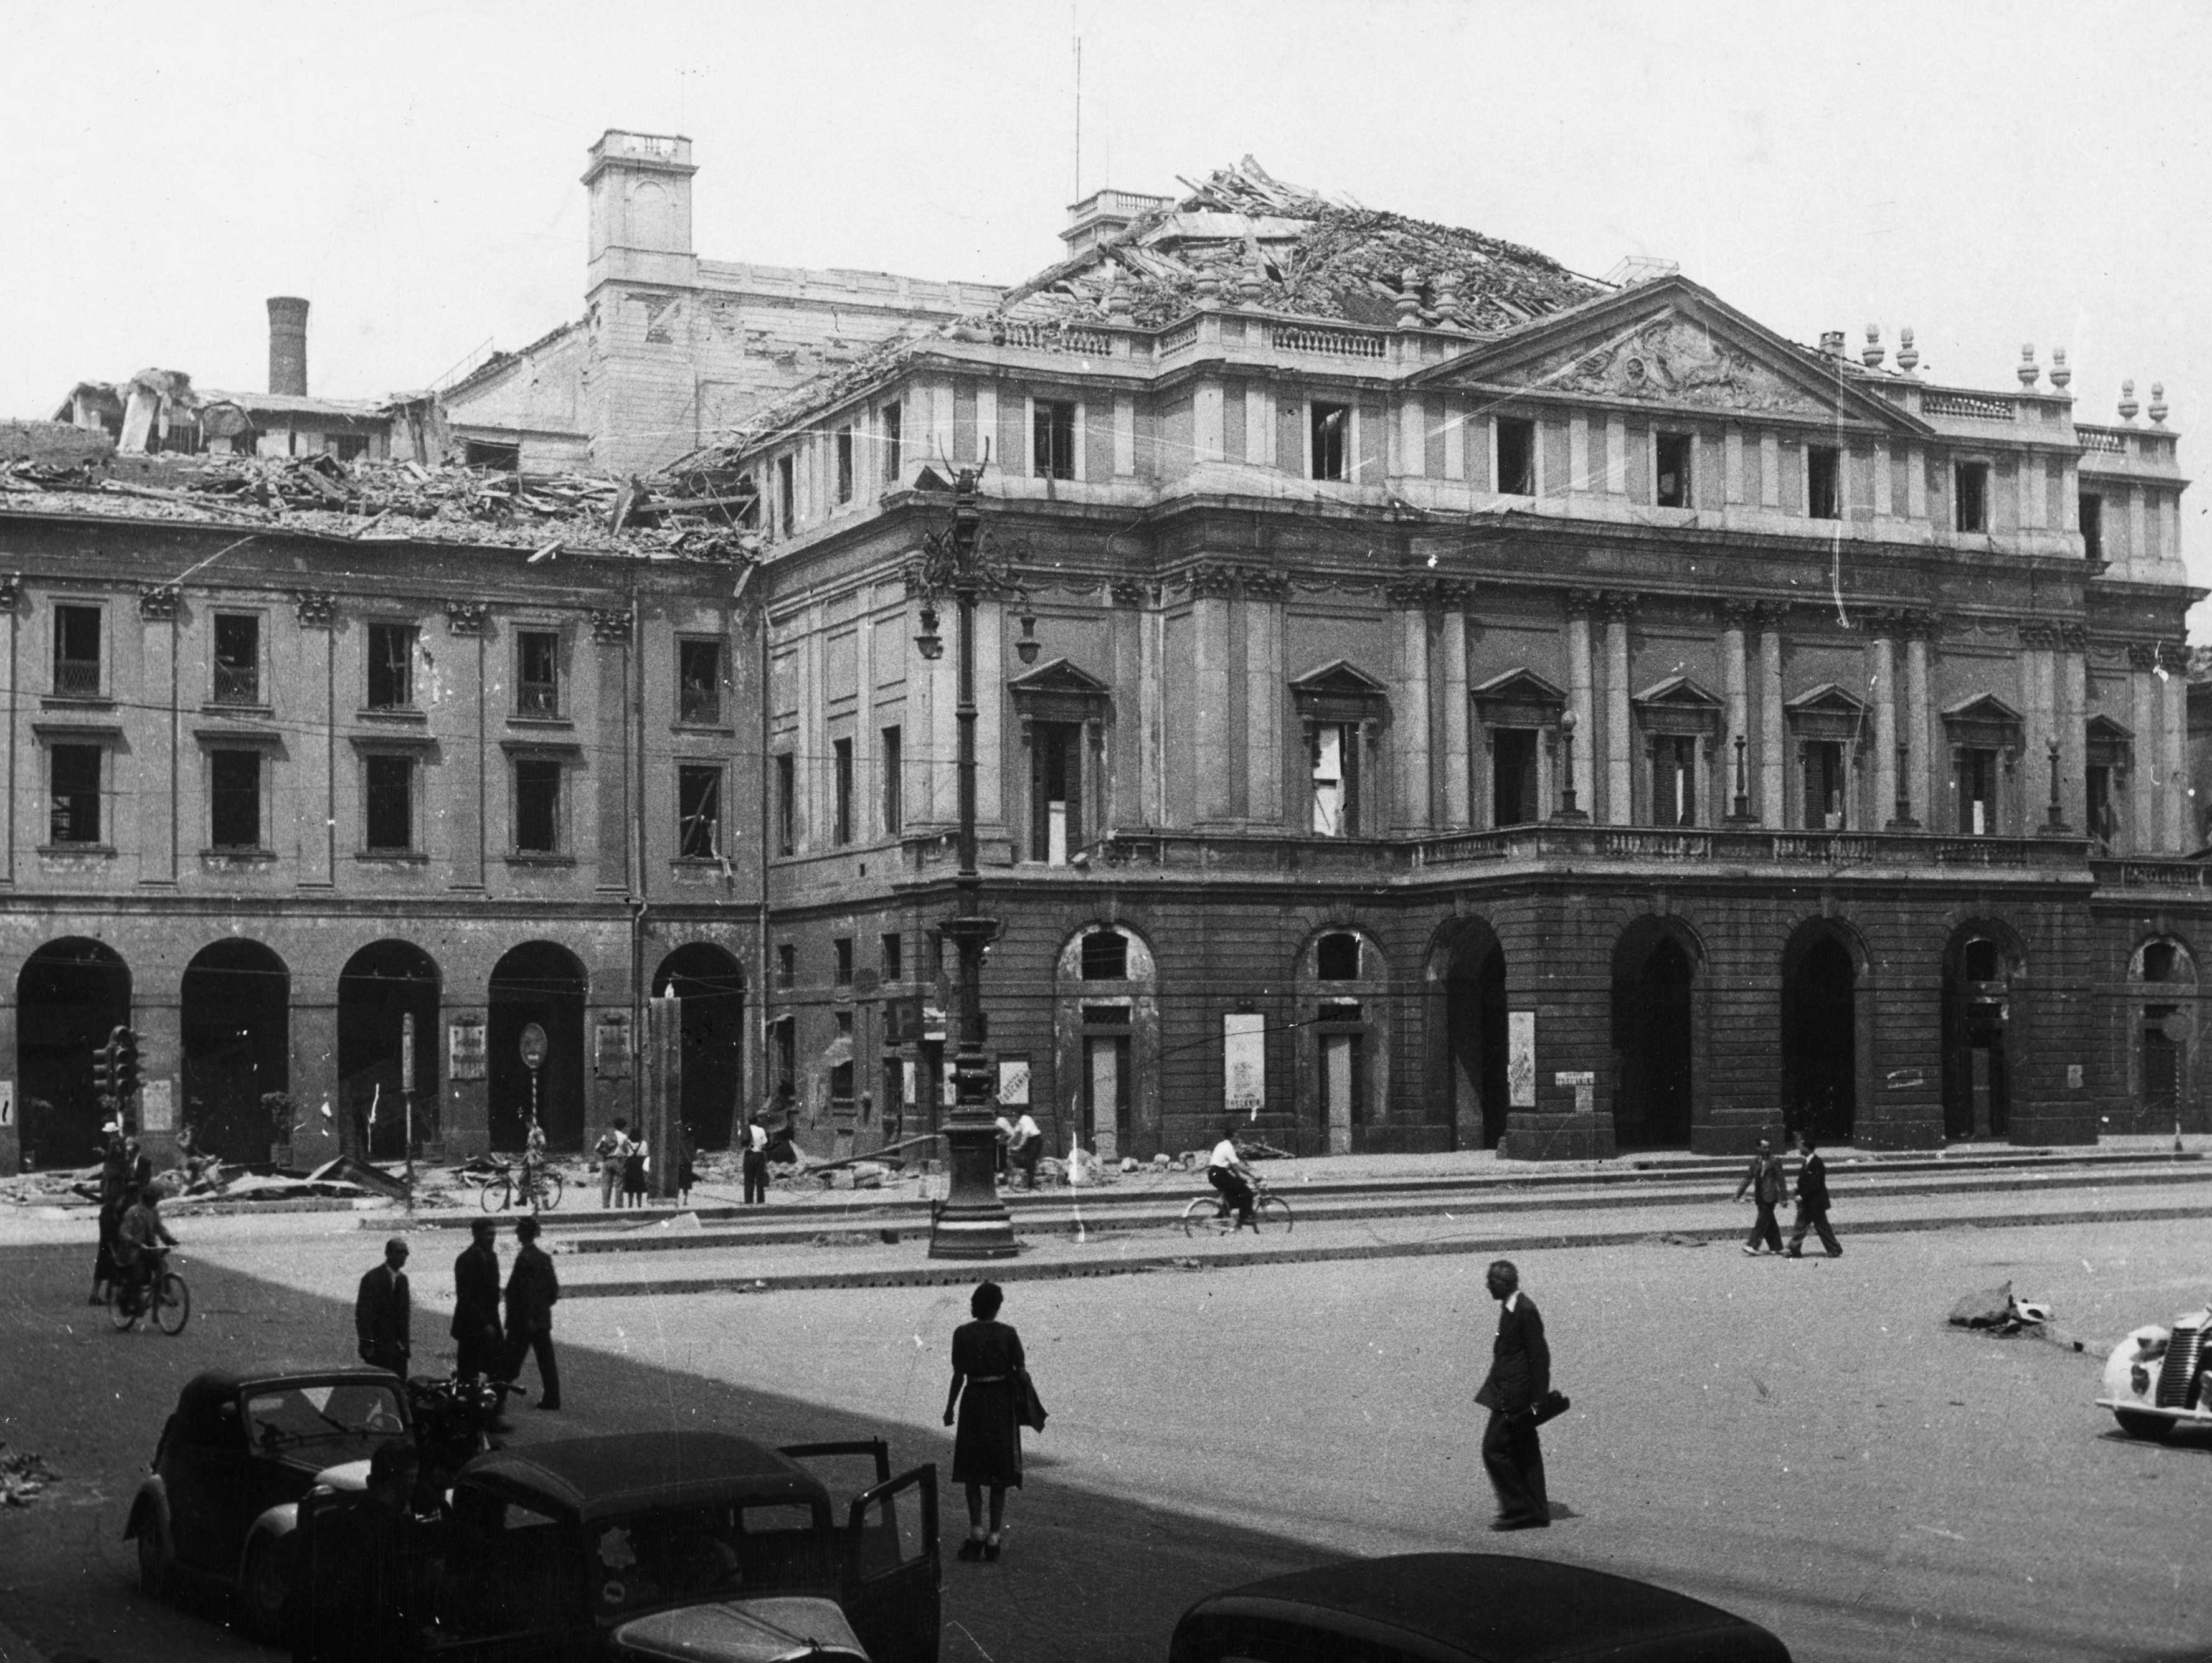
{"x":120,"y":1310}
{"x":1203,"y":1217}
{"x":1273,"y":1213}
{"x":173,"y":1303}
{"x":498,"y":1195}
{"x":549,"y":1191}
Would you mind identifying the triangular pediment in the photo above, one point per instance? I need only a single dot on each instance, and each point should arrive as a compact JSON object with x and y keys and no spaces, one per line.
{"x":1989,"y":710}
{"x":1518,"y":686}
{"x":1678,"y":692}
{"x":1061,"y":675}
{"x":1825,"y":700}
{"x":2104,"y":728}
{"x":1340,"y":679}
{"x":1671,"y":345}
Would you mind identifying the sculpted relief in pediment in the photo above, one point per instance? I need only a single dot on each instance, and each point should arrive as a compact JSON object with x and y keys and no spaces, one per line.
{"x":1672,"y":361}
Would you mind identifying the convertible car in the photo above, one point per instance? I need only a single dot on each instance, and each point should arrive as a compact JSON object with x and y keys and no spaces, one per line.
{"x":2155,"y":1378}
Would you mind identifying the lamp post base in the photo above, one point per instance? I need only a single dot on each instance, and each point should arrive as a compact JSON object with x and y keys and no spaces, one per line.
{"x":973,"y":1223}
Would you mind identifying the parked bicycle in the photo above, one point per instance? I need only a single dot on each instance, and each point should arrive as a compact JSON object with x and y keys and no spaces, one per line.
{"x":1211,"y":1214}
{"x":162,"y":1295}
{"x":536,"y":1188}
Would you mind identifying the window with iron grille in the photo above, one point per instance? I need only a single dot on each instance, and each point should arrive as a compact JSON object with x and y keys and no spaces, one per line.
{"x":536,"y":673}
{"x":391,"y":667}
{"x":537,"y":806}
{"x":76,"y":652}
{"x":234,"y":799}
{"x":699,"y":681}
{"x":1053,"y":439}
{"x":388,"y":786}
{"x":74,"y":794}
{"x":237,"y":659}
{"x":698,"y":811}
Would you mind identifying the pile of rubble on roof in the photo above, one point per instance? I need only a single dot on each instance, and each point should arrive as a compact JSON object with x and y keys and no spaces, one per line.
{"x":702,"y":513}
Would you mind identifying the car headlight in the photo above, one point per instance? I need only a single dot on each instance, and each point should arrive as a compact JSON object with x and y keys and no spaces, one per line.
{"x":2139,"y":1379}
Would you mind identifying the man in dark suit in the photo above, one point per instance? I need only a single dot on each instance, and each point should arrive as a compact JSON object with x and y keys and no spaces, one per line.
{"x":1520,"y":1377}
{"x":480,"y":1349}
{"x":382,"y":1312}
{"x":1812,"y":1201}
{"x":532,"y":1290}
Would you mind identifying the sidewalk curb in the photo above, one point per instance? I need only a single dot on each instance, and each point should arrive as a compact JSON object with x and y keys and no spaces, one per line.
{"x":961,"y":1273}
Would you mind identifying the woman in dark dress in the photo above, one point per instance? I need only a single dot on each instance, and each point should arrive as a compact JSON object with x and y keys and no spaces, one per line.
{"x":986,"y":1450}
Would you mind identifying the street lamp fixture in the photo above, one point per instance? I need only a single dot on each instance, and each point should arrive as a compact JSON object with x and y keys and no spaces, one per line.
{"x":929,"y":642}
{"x":1026,"y":648}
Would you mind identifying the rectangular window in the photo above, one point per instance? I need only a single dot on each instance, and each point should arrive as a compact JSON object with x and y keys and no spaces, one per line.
{"x":537,"y":806}
{"x":1331,"y":426}
{"x":1055,"y":791}
{"x":894,"y":458}
{"x":2104,"y":826}
{"x":1824,"y":785}
{"x":786,"y":1060}
{"x":894,"y":956}
{"x":1517,"y":457}
{"x":234,"y":799}
{"x":391,"y":667}
{"x":390,"y":784}
{"x":843,"y":947}
{"x":486,"y":453}
{"x":76,"y":652}
{"x":1513,"y":777}
{"x":2092,"y":525}
{"x":786,"y":495}
{"x":1978,"y":792}
{"x":1973,"y":496}
{"x":1052,"y":439}
{"x":786,"y":964}
{"x":787,"y":805}
{"x":699,"y":681}
{"x":841,"y":819}
{"x":1823,"y":490}
{"x":1334,"y":752}
{"x":237,"y":659}
{"x":75,"y":796}
{"x":1673,"y":781}
{"x":844,"y":464}
{"x":698,"y":811}
{"x":1673,"y":485}
{"x":536,"y":673}
{"x":893,"y":764}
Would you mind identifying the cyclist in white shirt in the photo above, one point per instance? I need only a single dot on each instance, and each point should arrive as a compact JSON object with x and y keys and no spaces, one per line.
{"x":1226,"y":1171}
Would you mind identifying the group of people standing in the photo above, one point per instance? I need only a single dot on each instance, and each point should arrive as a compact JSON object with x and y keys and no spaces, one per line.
{"x":625,"y":1157}
{"x":486,"y":1347}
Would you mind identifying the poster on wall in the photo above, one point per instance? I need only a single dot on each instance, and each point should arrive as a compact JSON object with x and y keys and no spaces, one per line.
{"x":157,"y":1106}
{"x":1244,"y":1061}
{"x":1521,"y":1058}
{"x":610,"y":1045}
{"x":1014,"y":1082}
{"x":465,"y":1049}
{"x":7,"y":1103}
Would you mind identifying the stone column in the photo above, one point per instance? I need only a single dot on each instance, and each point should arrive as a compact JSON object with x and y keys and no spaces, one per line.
{"x":1735,"y":685}
{"x":1581,"y":703}
{"x":1920,"y":726}
{"x":2040,"y":682}
{"x":1410,"y":780}
{"x":467,"y":621}
{"x":315,"y":1137}
{"x":1884,"y":651}
{"x":2177,"y":827}
{"x":1214,"y":778}
{"x":154,"y":774}
{"x":2073,"y":672}
{"x":1772,"y":803}
{"x":2145,"y":834}
{"x":314,"y":762}
{"x":614,"y":774}
{"x":1451,"y":646}
{"x":1619,"y":763}
{"x":1264,"y":594}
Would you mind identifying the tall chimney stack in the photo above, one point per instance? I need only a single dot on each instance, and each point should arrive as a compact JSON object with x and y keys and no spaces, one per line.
{"x":287,"y":345}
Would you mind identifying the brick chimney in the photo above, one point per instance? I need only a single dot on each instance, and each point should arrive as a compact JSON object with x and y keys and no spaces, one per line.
{"x":287,"y":345}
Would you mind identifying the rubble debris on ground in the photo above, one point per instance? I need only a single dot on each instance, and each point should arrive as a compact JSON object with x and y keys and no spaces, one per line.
{"x":373,"y":1179}
{"x":1674,"y":1238}
{"x":1998,"y":1311}
{"x":24,"y":1476}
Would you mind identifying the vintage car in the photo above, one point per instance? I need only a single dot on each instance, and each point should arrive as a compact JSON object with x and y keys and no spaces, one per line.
{"x":692,"y":1544}
{"x":1462,"y":1608}
{"x":2155,"y":1378}
{"x":234,"y":1459}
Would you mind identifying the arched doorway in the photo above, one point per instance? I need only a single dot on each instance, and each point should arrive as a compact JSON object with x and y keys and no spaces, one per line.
{"x":713,"y":988}
{"x":1340,"y":1089}
{"x":1981,"y":963}
{"x":1654,"y":970}
{"x":69,"y":995}
{"x":540,"y":983}
{"x":1820,"y":1033}
{"x":381,"y":986}
{"x":1468,"y":967}
{"x":1106,"y":1043}
{"x":235,"y":1028}
{"x":2163,"y":1017}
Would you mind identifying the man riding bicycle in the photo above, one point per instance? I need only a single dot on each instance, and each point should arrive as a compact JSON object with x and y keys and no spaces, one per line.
{"x":140,"y":1242}
{"x":1226,"y":1171}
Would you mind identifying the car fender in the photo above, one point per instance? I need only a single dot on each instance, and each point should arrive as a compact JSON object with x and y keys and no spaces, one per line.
{"x":2120,"y":1366}
{"x":272,"y":1528}
{"x":149,"y":1510}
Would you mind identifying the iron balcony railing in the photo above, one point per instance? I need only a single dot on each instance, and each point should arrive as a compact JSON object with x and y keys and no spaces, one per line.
{"x":76,"y":678}
{"x":237,"y":684}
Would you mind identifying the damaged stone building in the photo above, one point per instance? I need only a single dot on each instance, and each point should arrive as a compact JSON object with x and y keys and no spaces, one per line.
{"x":1441,"y":701}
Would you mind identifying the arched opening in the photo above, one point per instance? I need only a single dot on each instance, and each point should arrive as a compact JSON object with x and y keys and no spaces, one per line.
{"x":1341,"y":1091}
{"x":1653,"y":973}
{"x":540,"y":983}
{"x":713,"y":988}
{"x":1468,"y":967}
{"x":1105,"y":1047}
{"x":236,"y":1032}
{"x":1980,"y":964}
{"x":69,"y":994}
{"x":2163,"y":1019}
{"x":1820,"y":1035}
{"x":380,"y":987}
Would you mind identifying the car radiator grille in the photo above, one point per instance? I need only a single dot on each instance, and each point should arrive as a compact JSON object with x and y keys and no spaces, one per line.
{"x":2177,"y":1378}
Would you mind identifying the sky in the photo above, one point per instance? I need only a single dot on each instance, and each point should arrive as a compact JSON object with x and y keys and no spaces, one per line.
{"x":1988,"y":175}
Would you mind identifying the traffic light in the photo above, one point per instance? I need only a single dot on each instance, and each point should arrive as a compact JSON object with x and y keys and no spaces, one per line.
{"x":103,"y":1068}
{"x":126,"y":1062}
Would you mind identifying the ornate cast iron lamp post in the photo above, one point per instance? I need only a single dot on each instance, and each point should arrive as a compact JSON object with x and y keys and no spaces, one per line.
{"x":972,"y":1222}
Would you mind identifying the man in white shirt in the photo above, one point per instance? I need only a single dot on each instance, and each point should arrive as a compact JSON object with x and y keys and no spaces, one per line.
{"x":1023,"y":1145}
{"x":756,"y":1162}
{"x":1226,"y":1171}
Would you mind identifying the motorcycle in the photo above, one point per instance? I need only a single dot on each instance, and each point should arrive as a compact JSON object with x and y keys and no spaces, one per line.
{"x":454,"y":1420}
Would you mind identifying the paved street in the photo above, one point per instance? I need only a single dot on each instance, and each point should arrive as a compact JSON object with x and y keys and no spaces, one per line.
{"x":1850,"y":1473}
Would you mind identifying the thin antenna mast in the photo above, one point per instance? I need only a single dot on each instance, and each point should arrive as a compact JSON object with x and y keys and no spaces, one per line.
{"x":1078,"y":110}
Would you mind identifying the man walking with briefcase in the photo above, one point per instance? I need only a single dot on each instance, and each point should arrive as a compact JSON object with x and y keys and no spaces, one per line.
{"x":1518,"y":1394}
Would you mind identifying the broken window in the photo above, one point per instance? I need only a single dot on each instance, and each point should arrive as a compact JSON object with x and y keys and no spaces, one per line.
{"x":786,"y":964}
{"x":1517,"y":457}
{"x":894,"y":767}
{"x":1823,"y":493}
{"x":1674,"y":780}
{"x":1055,"y":791}
{"x":842,"y":946}
{"x":1977,"y":791}
{"x":844,"y":464}
{"x":74,"y":796}
{"x":237,"y":659}
{"x":1051,"y":437}
{"x":76,"y":652}
{"x":2093,"y":525}
{"x":2104,"y":824}
{"x":489,"y":454}
{"x":389,"y":785}
{"x":699,"y":681}
{"x":347,"y":447}
{"x":698,"y":811}
{"x":894,"y":460}
{"x":1973,"y":496}
{"x":786,"y":1060}
{"x":842,"y":818}
{"x":1673,"y":469}
{"x":1337,"y":958}
{"x":1331,"y":427}
{"x":234,"y":799}
{"x":1824,"y":785}
{"x":786,"y":496}
{"x":537,"y":674}
{"x":1105,"y":956}
{"x":786,"y":802}
{"x":1513,"y":777}
{"x":391,"y":667}
{"x":537,"y":806}
{"x":1333,"y":749}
